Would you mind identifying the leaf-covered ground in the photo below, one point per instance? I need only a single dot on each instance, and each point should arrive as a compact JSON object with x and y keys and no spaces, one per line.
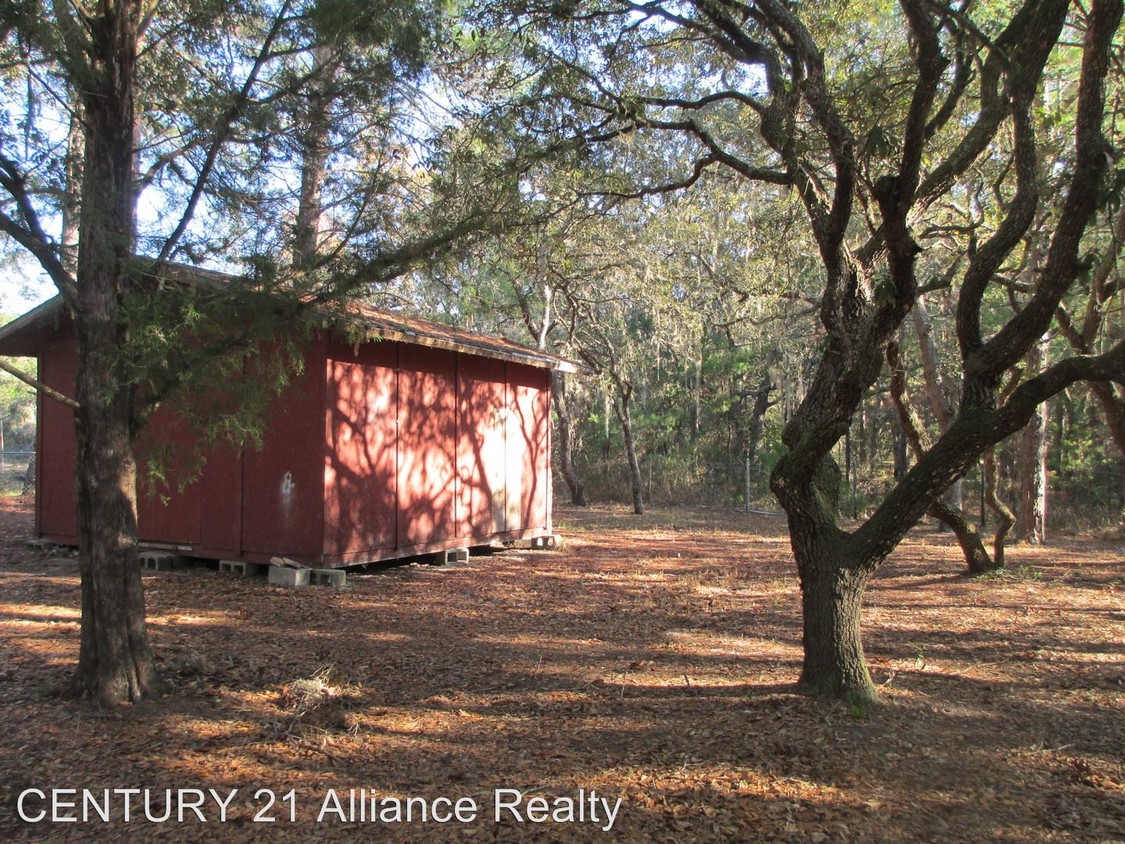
{"x":651,"y":660}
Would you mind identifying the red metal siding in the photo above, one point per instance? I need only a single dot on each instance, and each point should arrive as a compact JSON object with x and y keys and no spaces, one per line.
{"x":283,"y":483}
{"x":374,"y":452}
{"x":529,"y":446}
{"x":220,"y":510}
{"x":55,"y":506}
{"x":164,"y":512}
{"x":481,"y":413}
{"x":360,"y":460}
{"x":427,"y":459}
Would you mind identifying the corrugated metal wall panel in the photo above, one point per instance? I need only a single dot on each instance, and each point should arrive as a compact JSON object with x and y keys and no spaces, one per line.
{"x":482,"y":409}
{"x":529,"y":444}
{"x":283,"y":484}
{"x":360,"y":458}
{"x":56,"y":509}
{"x":427,"y":460}
{"x":165,"y":513}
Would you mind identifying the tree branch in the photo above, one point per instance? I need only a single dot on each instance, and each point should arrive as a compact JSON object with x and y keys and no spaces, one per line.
{"x":50,"y":392}
{"x":226,"y":127}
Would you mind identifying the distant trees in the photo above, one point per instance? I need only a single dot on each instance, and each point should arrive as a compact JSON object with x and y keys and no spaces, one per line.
{"x":912,"y":135}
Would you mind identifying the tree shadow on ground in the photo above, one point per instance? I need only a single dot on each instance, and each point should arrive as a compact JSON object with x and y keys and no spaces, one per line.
{"x":653,"y":667}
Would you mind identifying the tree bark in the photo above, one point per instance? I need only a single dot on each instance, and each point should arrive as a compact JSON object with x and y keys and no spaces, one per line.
{"x":621,"y":407}
{"x":1031,"y":520}
{"x":115,"y":662}
{"x":568,"y":452}
{"x":972,"y":548}
{"x":762,"y":404}
{"x":314,"y":157}
{"x":937,"y":393}
{"x":832,"y":582}
{"x":831,"y":599}
{"x":71,"y":207}
{"x":1005,"y":519}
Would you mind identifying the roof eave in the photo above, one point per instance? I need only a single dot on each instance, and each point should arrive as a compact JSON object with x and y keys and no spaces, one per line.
{"x":16,"y":338}
{"x":511,"y":356}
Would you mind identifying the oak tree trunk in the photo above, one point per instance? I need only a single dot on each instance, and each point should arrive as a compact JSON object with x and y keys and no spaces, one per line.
{"x":948,"y":514}
{"x":832,"y":579}
{"x":568,"y":450}
{"x":621,"y":406}
{"x":1031,"y":521}
{"x":831,"y":599}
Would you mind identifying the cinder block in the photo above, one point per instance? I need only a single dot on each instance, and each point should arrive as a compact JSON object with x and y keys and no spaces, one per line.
{"x":239,"y":567}
{"x":328,"y":577}
{"x":159,"y":560}
{"x":456,"y":555}
{"x":550,"y":542}
{"x":281,"y":576}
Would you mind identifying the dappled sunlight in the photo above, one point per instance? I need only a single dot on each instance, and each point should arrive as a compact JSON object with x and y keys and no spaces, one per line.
{"x":652,"y":664}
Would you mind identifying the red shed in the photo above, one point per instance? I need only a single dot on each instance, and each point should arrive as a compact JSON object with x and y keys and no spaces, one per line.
{"x":424,"y":439}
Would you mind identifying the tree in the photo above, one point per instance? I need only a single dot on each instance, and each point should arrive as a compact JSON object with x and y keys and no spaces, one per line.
{"x":190,"y":105}
{"x":782,"y":95}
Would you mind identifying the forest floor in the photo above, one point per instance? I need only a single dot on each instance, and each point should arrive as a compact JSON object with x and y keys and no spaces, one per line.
{"x":650,"y":661}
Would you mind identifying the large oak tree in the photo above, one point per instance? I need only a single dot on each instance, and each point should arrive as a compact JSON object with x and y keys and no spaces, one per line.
{"x":880,"y":117}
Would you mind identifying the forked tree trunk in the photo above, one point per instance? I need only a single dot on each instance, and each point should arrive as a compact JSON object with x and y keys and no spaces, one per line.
{"x":832,"y":583}
{"x":115,"y":663}
{"x":834,"y":565}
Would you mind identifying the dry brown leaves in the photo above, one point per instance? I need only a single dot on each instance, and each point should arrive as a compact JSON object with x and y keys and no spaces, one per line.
{"x":650,"y":660}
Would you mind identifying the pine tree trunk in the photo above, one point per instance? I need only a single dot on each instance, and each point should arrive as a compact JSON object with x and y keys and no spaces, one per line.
{"x":314,"y":157}
{"x":71,"y":207}
{"x":115,"y":663}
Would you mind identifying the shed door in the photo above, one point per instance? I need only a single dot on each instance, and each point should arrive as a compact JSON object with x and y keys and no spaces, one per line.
{"x":359,"y":474}
{"x":427,"y":477}
{"x":482,"y":444}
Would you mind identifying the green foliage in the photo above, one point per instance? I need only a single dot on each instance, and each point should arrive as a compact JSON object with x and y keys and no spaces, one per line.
{"x":209,"y":358}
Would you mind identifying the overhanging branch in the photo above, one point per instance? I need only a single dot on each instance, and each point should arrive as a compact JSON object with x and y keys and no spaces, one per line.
{"x":35,"y":383}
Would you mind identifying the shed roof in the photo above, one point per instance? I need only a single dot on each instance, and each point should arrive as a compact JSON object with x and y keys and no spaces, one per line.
{"x":24,"y":336}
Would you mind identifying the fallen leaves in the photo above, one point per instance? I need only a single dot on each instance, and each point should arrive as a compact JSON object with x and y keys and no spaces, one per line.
{"x":652,"y":659}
